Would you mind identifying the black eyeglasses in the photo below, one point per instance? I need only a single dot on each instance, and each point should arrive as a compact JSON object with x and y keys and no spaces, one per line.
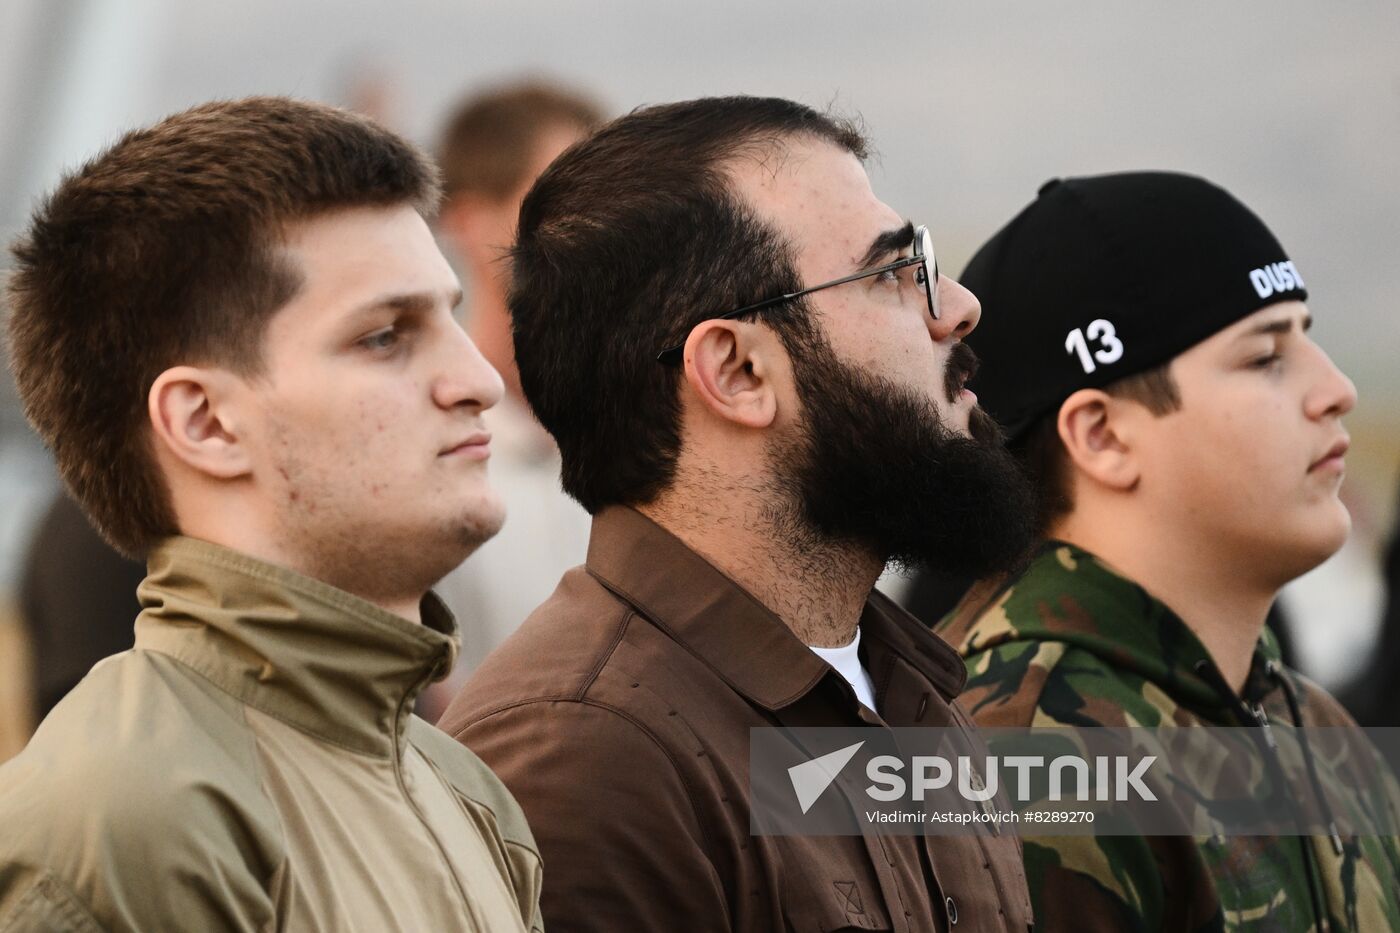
{"x":926,"y":275}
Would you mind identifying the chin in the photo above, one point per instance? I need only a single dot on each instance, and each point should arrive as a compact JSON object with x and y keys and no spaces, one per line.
{"x":1319,"y":539}
{"x":1334,"y":533}
{"x":480,"y":521}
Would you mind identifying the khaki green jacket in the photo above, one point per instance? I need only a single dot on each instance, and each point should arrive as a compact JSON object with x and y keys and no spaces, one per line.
{"x":254,"y":764}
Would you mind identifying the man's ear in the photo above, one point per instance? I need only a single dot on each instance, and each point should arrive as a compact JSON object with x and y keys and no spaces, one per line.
{"x":193,"y":417}
{"x":1096,"y":431}
{"x":730,"y":368}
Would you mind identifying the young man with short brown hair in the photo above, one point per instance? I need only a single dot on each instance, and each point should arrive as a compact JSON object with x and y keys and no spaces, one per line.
{"x":235,"y":332}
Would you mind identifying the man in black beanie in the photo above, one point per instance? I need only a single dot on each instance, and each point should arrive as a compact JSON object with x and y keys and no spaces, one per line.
{"x":1144,"y":343}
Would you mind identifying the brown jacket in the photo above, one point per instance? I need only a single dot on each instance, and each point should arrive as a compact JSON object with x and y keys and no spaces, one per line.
{"x":619,"y":716}
{"x":253,"y":764}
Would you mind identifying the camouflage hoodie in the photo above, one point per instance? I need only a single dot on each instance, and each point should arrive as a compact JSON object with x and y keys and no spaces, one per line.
{"x":1071,"y":642}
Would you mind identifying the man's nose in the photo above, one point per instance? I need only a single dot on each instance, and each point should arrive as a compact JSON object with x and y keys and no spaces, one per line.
{"x":1333,"y":393}
{"x":959,"y":311}
{"x":465,"y":377}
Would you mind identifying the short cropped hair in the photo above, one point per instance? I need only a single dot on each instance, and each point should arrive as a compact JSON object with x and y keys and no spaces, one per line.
{"x":490,"y":138}
{"x":1044,"y":456}
{"x":162,"y":251}
{"x":625,"y":243}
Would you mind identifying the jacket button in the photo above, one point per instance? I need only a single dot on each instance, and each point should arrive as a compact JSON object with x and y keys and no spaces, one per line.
{"x":952,"y":906}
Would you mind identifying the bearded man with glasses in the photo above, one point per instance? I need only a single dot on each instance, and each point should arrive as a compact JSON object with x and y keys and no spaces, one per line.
{"x":750,"y":473}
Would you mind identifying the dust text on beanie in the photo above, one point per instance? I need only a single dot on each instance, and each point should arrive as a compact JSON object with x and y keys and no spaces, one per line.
{"x":1274,"y":278}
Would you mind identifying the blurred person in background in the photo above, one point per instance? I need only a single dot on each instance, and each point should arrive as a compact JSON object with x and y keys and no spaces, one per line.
{"x":77,"y":597}
{"x":1144,"y":343}
{"x":752,"y":458}
{"x":494,"y":146}
{"x":1374,"y":696}
{"x":236,"y":334}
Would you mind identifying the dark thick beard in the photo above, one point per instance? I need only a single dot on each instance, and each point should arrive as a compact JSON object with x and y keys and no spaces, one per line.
{"x":874,"y":465}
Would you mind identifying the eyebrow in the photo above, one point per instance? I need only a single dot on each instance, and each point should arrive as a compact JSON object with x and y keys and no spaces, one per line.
{"x":890,"y":241}
{"x":408,"y":303}
{"x":1280,"y":326}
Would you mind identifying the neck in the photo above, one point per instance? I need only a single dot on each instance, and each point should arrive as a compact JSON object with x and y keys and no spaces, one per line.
{"x":237,"y":529}
{"x":1217,"y":598}
{"x":818,"y":588}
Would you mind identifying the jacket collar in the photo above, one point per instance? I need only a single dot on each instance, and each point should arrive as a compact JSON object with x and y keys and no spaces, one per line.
{"x":1069,"y":595}
{"x":318,"y":658}
{"x":721,"y":623}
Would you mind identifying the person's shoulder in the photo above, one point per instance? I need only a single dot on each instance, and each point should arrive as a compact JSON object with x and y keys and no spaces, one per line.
{"x":566,"y":632}
{"x":1006,"y":684}
{"x":138,"y":743}
{"x":1043,"y":647}
{"x":1011,"y":607}
{"x":1037,"y":682}
{"x":557,"y":655}
{"x":143,"y":771}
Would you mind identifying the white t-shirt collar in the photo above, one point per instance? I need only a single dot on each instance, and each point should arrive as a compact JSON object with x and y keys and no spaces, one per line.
{"x":846,"y":661}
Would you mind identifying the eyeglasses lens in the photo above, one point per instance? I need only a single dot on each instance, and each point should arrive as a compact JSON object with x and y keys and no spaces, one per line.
{"x":928,"y":272}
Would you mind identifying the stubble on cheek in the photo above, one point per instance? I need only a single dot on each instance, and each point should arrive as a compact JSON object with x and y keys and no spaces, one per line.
{"x":298,"y":485}
{"x":348,"y":500}
{"x":337,"y":525}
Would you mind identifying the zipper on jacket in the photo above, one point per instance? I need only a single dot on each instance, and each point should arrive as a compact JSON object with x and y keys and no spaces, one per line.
{"x":1260,"y":718}
{"x":400,"y":741}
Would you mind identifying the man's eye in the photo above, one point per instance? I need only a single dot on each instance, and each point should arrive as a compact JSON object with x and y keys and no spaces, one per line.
{"x":1266,"y":362}
{"x":380,"y":340}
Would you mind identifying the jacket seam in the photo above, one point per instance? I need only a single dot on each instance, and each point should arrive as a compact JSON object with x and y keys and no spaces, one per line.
{"x":452,"y":788}
{"x":515,"y":843}
{"x":459,"y":792}
{"x":73,"y":907}
{"x":605,"y":656}
{"x":260,"y":771}
{"x":396,"y":765}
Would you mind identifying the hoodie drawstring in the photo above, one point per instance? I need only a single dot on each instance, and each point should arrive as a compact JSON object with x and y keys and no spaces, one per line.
{"x":1294,"y":710}
{"x":1257,"y":716}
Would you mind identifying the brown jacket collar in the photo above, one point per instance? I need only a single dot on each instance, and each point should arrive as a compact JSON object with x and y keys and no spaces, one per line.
{"x":721,"y":623}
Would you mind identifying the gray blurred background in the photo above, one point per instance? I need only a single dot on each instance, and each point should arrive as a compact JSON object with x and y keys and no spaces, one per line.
{"x":1294,"y":106}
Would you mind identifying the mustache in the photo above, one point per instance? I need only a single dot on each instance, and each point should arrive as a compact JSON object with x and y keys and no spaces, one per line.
{"x":962,"y":366}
